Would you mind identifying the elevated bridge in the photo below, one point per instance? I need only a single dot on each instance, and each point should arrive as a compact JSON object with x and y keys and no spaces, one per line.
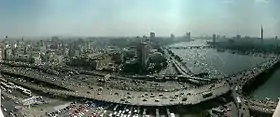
{"x":246,"y":77}
{"x":186,"y":73}
{"x":190,"y":77}
{"x":262,"y":106}
{"x":189,"y":47}
{"x":261,"y":109}
{"x":181,"y":68}
{"x":140,"y":98}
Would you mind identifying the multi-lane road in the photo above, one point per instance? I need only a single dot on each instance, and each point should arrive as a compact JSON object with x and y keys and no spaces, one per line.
{"x":189,"y":96}
{"x":159,"y":98}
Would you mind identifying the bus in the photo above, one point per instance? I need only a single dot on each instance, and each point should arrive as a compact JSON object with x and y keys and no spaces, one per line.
{"x":27,"y":92}
{"x":207,"y":94}
{"x":6,"y":85}
{"x":217,"y":111}
{"x":23,"y":90}
{"x":11,"y":84}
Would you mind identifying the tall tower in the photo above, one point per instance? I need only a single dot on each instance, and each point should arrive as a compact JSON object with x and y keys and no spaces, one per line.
{"x":172,"y":36}
{"x":143,"y":53}
{"x":214,"y":38}
{"x":188,"y":35}
{"x":261,"y":32}
{"x":152,"y":35}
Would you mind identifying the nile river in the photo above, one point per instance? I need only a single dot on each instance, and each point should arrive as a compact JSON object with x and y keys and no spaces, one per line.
{"x":220,"y":64}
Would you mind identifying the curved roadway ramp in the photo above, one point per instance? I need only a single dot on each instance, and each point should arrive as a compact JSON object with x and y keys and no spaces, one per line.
{"x":277,"y":110}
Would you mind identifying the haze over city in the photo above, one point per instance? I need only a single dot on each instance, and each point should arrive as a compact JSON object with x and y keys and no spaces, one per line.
{"x":139,"y":58}
{"x":138,"y":17}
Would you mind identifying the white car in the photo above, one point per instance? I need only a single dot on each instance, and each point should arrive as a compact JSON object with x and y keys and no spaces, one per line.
{"x":81,"y":114}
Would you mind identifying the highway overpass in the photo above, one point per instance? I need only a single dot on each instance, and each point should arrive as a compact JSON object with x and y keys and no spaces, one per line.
{"x":182,"y":97}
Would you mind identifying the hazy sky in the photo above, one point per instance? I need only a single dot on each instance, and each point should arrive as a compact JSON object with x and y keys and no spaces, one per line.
{"x":138,"y":17}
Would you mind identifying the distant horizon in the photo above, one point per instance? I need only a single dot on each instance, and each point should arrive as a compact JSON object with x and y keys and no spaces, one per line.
{"x":65,"y":37}
{"x":110,"y":18}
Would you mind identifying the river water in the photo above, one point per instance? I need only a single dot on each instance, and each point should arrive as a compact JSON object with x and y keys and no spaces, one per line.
{"x":220,"y":64}
{"x":216,"y":64}
{"x":269,"y":89}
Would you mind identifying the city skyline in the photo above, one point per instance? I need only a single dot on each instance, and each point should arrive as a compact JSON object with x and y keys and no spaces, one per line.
{"x":125,"y":18}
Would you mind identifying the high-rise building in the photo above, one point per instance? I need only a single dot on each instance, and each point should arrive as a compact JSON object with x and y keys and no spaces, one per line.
{"x":8,"y":54}
{"x":152,"y":35}
{"x":214,"y":38}
{"x":145,"y":39}
{"x":217,"y":36}
{"x":172,"y":36}
{"x":73,"y":51}
{"x":276,"y":37}
{"x":143,"y":53}
{"x":188,"y":35}
{"x":138,"y":39}
{"x":1,"y":54}
{"x":238,"y":37}
{"x":261,"y":32}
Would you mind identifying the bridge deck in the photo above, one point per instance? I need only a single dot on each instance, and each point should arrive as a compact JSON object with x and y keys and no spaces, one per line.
{"x":136,"y":97}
